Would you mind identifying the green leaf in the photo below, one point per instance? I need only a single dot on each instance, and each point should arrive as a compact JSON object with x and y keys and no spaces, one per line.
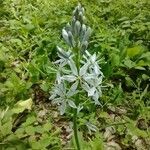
{"x":140,"y":68}
{"x":39,"y":129}
{"x":128,"y":63}
{"x":115,"y":59}
{"x":20,"y":132}
{"x":45,"y":86}
{"x":30,"y":130}
{"x":45,"y":142}
{"x":145,"y":55}
{"x":131,"y":52}
{"x":36,"y":145}
{"x":144,"y":92}
{"x":30,"y":120}
{"x":135,"y":131}
{"x":6,"y":128}
{"x":132,"y":129}
{"x":22,"y":105}
{"x":129,"y":82}
{"x":97,"y":142}
{"x":47,"y":127}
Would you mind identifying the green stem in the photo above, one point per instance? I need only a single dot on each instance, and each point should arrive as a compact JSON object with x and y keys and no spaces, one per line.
{"x":76,"y":129}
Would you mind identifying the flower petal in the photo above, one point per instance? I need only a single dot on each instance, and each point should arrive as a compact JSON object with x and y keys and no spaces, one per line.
{"x":73,"y":67}
{"x":73,"y":90}
{"x":70,"y":78}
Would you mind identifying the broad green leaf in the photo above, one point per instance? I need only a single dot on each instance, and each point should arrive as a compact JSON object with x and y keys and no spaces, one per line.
{"x":143,"y":63}
{"x":129,"y":63}
{"x":6,"y":128}
{"x":22,"y":105}
{"x":30,"y":120}
{"x":20,"y":133}
{"x":131,"y":52}
{"x":35,"y":145}
{"x":145,"y":55}
{"x":45,"y":142}
{"x":47,"y":127}
{"x":30,"y":130}
{"x":39,"y":129}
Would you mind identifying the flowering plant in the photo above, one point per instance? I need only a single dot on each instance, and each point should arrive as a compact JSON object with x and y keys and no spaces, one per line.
{"x":78,"y":71}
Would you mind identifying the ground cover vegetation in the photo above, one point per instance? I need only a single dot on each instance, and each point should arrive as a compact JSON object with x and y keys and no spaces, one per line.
{"x":31,"y":45}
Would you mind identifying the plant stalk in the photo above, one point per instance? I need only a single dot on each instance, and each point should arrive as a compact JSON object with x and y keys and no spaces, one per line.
{"x":75,"y":128}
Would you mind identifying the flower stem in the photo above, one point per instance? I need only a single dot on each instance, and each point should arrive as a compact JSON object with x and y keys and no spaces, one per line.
{"x":75,"y":128}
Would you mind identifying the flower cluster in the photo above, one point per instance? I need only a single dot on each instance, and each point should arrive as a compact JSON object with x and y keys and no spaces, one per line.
{"x":74,"y":74}
{"x":77,"y":34}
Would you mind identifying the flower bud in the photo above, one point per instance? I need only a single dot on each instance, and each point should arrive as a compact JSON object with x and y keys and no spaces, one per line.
{"x":82,"y":10}
{"x":71,"y":40}
{"x":77,"y":27}
{"x":81,"y":17}
{"x":82,"y":33}
{"x":87,"y":34}
{"x":80,"y":13}
{"x":62,"y":53}
{"x":83,"y":28}
{"x":79,"y":7}
{"x":68,"y":27}
{"x":75,"y":12}
{"x":65,"y":36}
{"x":84,"y":46}
{"x":84,"y":18}
{"x":73,"y":24}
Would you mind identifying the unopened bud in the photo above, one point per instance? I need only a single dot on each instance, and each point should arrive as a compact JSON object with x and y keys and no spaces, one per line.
{"x":81,"y":17}
{"x":79,"y":7}
{"x":73,"y":24}
{"x":75,"y":12}
{"x":71,"y":39}
{"x":77,"y":27}
{"x":62,"y":53}
{"x":82,"y":10}
{"x":83,"y":30}
{"x":65,"y":36}
{"x":84,"y":18}
{"x":87,"y":34}
{"x":68,"y":27}
{"x":84,"y":46}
